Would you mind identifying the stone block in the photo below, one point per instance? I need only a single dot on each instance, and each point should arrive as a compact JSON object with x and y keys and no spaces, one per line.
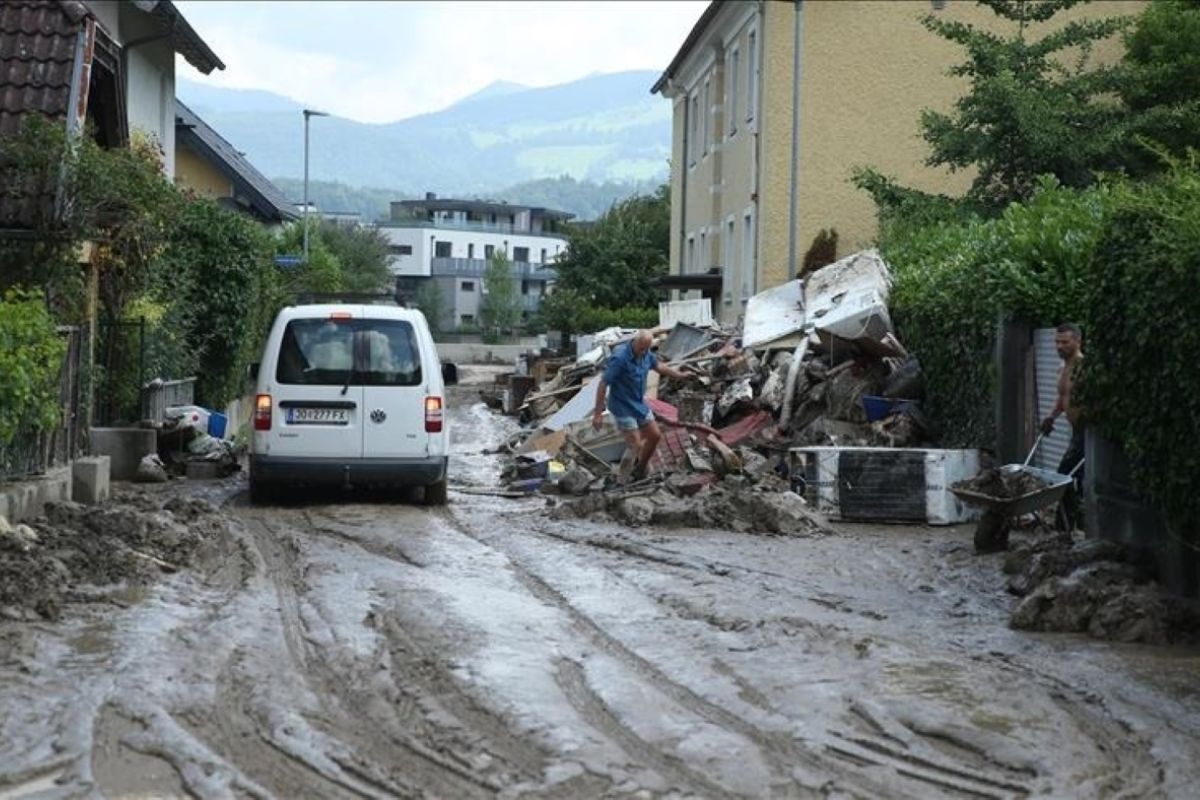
{"x":91,"y":480}
{"x":25,"y":499}
{"x":125,"y":447}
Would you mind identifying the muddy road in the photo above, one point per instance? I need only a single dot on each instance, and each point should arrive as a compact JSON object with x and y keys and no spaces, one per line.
{"x":363,"y":647}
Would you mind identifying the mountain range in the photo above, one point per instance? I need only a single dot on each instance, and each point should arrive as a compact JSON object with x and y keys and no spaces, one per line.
{"x":600,"y":129}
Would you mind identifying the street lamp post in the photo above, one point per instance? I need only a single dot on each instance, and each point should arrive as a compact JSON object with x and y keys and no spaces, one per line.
{"x":308,"y":114}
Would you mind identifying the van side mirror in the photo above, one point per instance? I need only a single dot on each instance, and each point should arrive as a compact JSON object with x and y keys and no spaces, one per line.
{"x":449,"y":374}
{"x":252,"y":371}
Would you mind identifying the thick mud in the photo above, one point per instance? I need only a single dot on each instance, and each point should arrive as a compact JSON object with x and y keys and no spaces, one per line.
{"x":364,"y":646}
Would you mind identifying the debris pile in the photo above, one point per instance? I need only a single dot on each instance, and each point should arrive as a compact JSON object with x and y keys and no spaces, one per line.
{"x":811,"y":365}
{"x":126,"y":542}
{"x":186,"y":446}
{"x":1095,"y":587}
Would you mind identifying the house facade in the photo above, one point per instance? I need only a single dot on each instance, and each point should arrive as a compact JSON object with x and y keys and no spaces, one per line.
{"x":775,"y":103}
{"x":209,"y":166}
{"x":451,"y":241}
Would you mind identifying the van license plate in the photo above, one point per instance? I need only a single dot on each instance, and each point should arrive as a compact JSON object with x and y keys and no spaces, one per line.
{"x":318,"y":416}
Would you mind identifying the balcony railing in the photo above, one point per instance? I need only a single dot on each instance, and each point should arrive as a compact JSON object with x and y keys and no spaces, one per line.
{"x":474,"y":225}
{"x":475,"y":267}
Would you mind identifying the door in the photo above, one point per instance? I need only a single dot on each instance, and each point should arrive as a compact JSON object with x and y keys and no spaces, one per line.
{"x":1046,"y":369}
{"x":394,"y":389}
{"x":317,"y":399}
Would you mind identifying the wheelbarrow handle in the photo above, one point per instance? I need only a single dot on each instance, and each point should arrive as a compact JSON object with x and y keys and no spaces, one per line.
{"x":1075,"y":469}
{"x":1033,"y":449}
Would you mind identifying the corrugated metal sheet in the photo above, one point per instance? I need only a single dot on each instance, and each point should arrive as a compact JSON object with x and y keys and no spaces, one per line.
{"x":1047,"y":366}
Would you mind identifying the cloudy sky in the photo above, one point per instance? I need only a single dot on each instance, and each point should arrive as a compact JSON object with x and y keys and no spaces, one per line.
{"x":383,"y":61}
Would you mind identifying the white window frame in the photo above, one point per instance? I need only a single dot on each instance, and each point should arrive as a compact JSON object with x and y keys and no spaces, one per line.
{"x":701,"y":267}
{"x":728,"y":271}
{"x":693,"y":126}
{"x":706,"y":123}
{"x":735,"y":56}
{"x":748,"y":265}
{"x":752,"y":51}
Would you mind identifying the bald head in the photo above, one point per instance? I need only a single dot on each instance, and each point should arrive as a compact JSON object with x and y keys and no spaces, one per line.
{"x":642,"y":341}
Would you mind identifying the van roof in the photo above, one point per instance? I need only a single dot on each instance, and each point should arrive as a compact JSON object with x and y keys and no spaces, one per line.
{"x":355,"y":310}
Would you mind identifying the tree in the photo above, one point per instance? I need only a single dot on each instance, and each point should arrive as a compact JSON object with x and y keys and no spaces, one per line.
{"x":1034,"y":106}
{"x":430,"y":301}
{"x":323,"y":272}
{"x":1160,"y":83}
{"x":501,"y":306}
{"x":361,"y":253}
{"x":612,"y":263}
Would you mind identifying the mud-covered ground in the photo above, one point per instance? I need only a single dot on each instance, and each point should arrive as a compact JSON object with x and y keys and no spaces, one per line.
{"x":363,"y":647}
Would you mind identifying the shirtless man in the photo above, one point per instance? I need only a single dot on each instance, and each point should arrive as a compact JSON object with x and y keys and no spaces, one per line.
{"x":1068,"y":340}
{"x":624,"y":386}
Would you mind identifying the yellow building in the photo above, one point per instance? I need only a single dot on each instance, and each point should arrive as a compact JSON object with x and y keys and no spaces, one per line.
{"x":209,"y":166}
{"x":763,"y":142}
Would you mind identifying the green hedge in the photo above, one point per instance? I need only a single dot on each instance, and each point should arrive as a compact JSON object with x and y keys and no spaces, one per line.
{"x":31,"y":355}
{"x":1121,"y":258}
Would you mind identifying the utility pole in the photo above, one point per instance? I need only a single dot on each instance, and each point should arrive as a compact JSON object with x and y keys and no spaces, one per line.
{"x":308,"y":114}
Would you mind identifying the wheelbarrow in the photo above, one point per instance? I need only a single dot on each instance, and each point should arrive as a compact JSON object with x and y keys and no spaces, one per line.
{"x":991,"y":533}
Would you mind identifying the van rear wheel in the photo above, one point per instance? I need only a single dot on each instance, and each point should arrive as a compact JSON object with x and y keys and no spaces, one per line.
{"x":436,"y":494}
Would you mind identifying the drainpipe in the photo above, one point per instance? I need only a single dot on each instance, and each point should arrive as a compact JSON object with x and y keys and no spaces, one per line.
{"x":793,"y":210}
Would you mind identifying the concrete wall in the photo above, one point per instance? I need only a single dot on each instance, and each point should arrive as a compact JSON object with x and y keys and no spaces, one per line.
{"x":482,"y":353}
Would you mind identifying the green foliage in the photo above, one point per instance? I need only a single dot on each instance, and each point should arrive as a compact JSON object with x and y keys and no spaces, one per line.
{"x":567,"y":311}
{"x":31,"y":357}
{"x":1160,"y":82}
{"x":430,"y":300}
{"x":221,"y":289}
{"x":361,"y":253}
{"x":611,"y":263}
{"x":954,"y":280}
{"x":1035,"y":106}
{"x":500,"y":309}
{"x":1141,"y":384}
{"x":322,"y":273}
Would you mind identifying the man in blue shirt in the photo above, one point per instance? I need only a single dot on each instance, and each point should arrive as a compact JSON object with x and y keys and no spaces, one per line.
{"x":624,"y":386}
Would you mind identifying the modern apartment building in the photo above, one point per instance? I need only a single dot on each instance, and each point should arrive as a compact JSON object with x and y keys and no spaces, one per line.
{"x":776,"y":102}
{"x":450,"y":241}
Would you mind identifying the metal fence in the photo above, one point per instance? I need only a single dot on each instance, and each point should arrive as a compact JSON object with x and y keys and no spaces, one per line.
{"x":33,"y":452}
{"x":120,"y":371}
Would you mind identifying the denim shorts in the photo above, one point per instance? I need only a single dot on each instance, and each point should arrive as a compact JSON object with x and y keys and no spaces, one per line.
{"x":633,"y":423}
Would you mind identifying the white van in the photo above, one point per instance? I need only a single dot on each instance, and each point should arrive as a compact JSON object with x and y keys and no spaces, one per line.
{"x":349,"y":395}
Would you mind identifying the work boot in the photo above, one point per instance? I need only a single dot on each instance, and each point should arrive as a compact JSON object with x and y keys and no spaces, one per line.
{"x":640,"y":471}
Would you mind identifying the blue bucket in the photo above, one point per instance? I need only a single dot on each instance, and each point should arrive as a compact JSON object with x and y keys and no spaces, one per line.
{"x":878,"y":408}
{"x":216,"y":424}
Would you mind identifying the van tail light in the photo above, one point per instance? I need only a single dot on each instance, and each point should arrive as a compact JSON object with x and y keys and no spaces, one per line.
{"x":433,"y":415}
{"x":262,"y":412}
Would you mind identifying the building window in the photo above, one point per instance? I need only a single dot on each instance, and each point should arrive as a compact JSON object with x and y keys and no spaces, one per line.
{"x":470,"y":251}
{"x":525,"y":287}
{"x":521,"y":255}
{"x":751,"y":74}
{"x":468,"y":286}
{"x":441,"y":249}
{"x":466,"y":319}
{"x":690,"y":264}
{"x":702,"y":264}
{"x":732,"y":83}
{"x":707,"y":111}
{"x":543,"y":261}
{"x":489,"y":250}
{"x":400,"y":249}
{"x":728,"y":271}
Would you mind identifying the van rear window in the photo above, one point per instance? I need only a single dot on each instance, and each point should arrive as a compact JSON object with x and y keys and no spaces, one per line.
{"x":362,"y":352}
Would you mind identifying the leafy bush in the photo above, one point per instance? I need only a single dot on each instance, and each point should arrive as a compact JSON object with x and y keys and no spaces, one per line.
{"x":1141,"y":383}
{"x":31,"y":354}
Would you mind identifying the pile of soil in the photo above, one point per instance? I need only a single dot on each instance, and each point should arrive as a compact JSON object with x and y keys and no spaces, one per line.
{"x":127,"y":542}
{"x":730,"y":504}
{"x":996,"y":482}
{"x":1095,"y":587}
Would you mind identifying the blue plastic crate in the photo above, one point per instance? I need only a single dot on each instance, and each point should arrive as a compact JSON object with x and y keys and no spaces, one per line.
{"x":216,"y":424}
{"x":878,"y":408}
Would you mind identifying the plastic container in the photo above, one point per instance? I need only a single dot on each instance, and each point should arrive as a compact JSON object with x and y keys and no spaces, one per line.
{"x":195,"y":416}
{"x":217,"y":424}
{"x":878,"y":408}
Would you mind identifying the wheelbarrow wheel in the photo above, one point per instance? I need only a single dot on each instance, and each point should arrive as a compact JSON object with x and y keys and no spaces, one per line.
{"x":991,"y":534}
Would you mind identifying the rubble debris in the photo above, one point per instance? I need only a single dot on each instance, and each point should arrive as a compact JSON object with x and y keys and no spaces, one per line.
{"x":151,"y":470}
{"x":127,"y":541}
{"x":795,"y":374}
{"x":1096,"y":587}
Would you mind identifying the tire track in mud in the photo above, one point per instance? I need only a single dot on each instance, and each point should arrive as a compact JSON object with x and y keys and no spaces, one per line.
{"x":779,"y":750}
{"x":420,"y":769}
{"x":571,"y":678}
